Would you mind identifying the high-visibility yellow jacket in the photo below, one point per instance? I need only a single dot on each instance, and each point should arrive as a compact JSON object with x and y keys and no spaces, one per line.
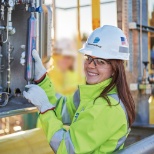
{"x":95,"y":127}
{"x":65,"y":83}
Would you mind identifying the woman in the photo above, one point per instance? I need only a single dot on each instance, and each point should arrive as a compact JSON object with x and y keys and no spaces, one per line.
{"x":101,"y":112}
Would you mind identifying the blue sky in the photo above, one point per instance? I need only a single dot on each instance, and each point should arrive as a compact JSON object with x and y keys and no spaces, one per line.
{"x":67,"y":20}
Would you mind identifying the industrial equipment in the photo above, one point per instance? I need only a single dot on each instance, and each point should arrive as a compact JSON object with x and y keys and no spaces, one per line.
{"x":23,"y":27}
{"x":145,"y":107}
{"x":14,"y":15}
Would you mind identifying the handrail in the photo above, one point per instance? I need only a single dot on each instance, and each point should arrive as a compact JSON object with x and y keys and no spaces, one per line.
{"x":16,"y":106}
{"x":18,"y":111}
{"x":145,"y":146}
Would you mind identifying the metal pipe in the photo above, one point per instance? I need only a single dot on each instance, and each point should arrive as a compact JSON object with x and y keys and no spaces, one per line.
{"x":141,"y":59}
{"x":2,"y":12}
{"x":40,"y":32}
{"x":79,"y":44}
{"x":33,"y":3}
{"x":0,"y":68}
{"x":7,"y":30}
{"x":2,"y":27}
{"x":54,"y":20}
{"x":78,"y":22}
{"x":95,"y":14}
{"x":145,"y":146}
{"x":1,"y":38}
{"x":18,"y":111}
{"x":41,"y":45}
{"x":37,"y":26}
{"x":31,"y":44}
{"x":10,"y":28}
{"x":134,"y":25}
{"x":9,"y":24}
{"x":8,"y":68}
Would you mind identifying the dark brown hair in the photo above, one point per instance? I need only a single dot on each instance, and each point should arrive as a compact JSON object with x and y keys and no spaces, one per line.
{"x":119,"y":80}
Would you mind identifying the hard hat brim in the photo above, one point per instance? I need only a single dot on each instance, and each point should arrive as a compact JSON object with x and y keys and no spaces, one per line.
{"x":104,"y":55}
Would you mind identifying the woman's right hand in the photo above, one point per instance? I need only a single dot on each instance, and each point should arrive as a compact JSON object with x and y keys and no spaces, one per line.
{"x":40,"y":70}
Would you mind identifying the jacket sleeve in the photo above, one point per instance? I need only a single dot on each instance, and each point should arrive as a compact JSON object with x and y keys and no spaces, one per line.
{"x":65,"y":108}
{"x":90,"y":131}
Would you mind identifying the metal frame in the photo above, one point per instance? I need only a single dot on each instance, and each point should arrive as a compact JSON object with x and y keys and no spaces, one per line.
{"x":134,"y":25}
{"x":18,"y":112}
{"x":87,"y":5}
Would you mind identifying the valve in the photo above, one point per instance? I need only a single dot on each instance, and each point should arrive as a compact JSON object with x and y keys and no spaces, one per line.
{"x":33,"y":9}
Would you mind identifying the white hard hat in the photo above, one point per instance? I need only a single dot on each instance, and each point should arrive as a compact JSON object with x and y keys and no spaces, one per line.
{"x":108,"y":42}
{"x":65,"y":47}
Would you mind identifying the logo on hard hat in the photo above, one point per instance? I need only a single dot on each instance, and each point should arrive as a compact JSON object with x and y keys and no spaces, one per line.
{"x":96,"y":40}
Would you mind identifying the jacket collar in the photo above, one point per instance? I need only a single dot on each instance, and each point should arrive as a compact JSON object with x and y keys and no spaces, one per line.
{"x":93,"y":91}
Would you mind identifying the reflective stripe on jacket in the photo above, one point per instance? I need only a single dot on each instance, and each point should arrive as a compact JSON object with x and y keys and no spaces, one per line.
{"x":95,"y":127}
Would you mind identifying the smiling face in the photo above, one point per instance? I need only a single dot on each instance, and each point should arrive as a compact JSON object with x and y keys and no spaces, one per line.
{"x":96,"y":74}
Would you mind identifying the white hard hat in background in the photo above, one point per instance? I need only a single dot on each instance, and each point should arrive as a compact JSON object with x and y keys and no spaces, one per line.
{"x":108,"y":42}
{"x":65,"y":47}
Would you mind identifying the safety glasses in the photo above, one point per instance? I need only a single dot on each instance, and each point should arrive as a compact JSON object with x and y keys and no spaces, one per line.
{"x":98,"y":62}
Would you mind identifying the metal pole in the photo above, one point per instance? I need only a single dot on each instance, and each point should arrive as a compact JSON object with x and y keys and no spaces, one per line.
{"x":1,"y":38}
{"x":78,"y":19}
{"x":80,"y":58}
{"x":145,"y":146}
{"x":95,"y":14}
{"x":54,"y":20}
{"x":37,"y":25}
{"x":141,"y":38}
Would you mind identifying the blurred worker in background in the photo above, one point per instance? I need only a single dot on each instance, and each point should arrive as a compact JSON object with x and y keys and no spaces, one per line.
{"x":64,"y":74}
{"x":101,"y":112}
